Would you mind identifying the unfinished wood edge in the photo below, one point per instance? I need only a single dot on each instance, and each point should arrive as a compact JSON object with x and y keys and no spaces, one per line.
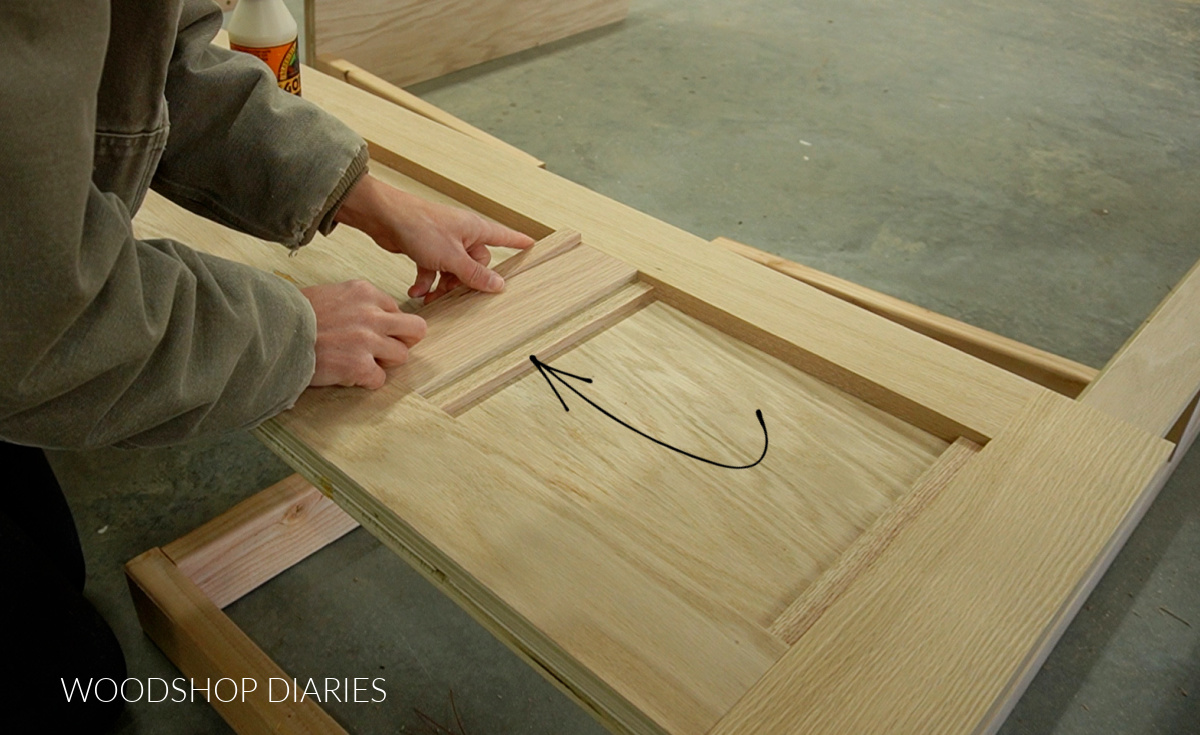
{"x":840,"y":377}
{"x":332,"y":67}
{"x":1044,"y":368}
{"x":1156,"y":355}
{"x":310,"y":31}
{"x":549,"y":247}
{"x":204,"y":643}
{"x":1022,"y":678}
{"x":802,"y":613}
{"x":561,"y":669}
{"x":472,"y":389}
{"x":600,"y":289}
{"x":1183,"y":434}
{"x":365,"y":80}
{"x":258,"y":538}
{"x":488,"y":207}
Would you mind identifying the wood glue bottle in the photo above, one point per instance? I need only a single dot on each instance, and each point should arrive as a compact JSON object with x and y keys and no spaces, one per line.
{"x":265,"y":28}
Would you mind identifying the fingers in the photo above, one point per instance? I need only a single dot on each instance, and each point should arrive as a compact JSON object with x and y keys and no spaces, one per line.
{"x":499,"y":235}
{"x":360,"y":331}
{"x":407,"y":328}
{"x":476,"y":275}
{"x":423,"y":283}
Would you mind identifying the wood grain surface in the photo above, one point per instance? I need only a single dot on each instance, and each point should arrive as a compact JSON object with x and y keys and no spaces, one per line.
{"x":409,"y":41}
{"x":1056,"y":373}
{"x":928,"y":640}
{"x":206,"y":645}
{"x":907,"y":374}
{"x":1154,"y":376}
{"x":258,"y":538}
{"x":644,"y":578}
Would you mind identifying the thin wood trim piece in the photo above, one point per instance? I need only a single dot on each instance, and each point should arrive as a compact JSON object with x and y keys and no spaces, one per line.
{"x":968,"y":589}
{"x":206,"y":646}
{"x":258,"y":538}
{"x":838,"y":341}
{"x":466,"y":332}
{"x":380,"y":87}
{"x":1046,"y":369}
{"x":550,"y":246}
{"x":1155,"y":375}
{"x":513,"y":365}
{"x":867,"y":548}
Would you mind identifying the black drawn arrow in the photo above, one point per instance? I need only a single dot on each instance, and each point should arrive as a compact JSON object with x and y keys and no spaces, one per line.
{"x":548,"y":372}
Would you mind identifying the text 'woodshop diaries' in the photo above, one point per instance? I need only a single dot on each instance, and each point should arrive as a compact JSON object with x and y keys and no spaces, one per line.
{"x":225,"y":689}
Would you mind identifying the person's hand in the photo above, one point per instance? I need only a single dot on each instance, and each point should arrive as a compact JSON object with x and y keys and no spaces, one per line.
{"x":360,"y":331}
{"x":440,"y":240}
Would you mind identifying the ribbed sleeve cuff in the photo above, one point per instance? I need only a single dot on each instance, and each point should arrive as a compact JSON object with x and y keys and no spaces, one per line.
{"x":325,"y":223}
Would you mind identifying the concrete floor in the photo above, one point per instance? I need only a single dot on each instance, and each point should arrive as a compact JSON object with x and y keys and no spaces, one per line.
{"x":1029,"y":167}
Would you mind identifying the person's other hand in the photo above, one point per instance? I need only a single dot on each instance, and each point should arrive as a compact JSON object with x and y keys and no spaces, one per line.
{"x":360,"y":331}
{"x":441,"y":240}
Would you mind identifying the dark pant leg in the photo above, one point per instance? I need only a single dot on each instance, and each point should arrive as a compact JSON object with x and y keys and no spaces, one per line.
{"x":53,"y":634}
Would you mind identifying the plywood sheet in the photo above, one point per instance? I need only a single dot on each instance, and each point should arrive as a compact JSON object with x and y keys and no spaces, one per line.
{"x":647,"y":579}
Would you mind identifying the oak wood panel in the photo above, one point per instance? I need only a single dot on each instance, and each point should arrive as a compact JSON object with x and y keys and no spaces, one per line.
{"x":931,"y":638}
{"x":1156,"y":373}
{"x":409,"y":41}
{"x":205,"y":644}
{"x":868,"y":547}
{"x":834,"y":340}
{"x":258,"y":538}
{"x":1056,"y":373}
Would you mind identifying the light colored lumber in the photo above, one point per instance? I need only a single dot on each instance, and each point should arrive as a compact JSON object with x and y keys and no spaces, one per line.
{"x":345,"y":255}
{"x":465,"y":332}
{"x":529,"y":568}
{"x":931,"y":637}
{"x":550,"y":246}
{"x":907,"y":374}
{"x":1156,"y":374}
{"x":643,"y":581}
{"x":867,"y":548}
{"x":461,"y":395}
{"x":258,"y":538}
{"x":409,"y":41}
{"x":1056,"y":373}
{"x":206,"y":646}
{"x":363,"y":79}
{"x":1020,"y":681}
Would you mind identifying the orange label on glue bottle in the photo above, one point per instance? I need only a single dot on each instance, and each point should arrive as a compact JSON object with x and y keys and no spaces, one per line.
{"x":283,"y":61}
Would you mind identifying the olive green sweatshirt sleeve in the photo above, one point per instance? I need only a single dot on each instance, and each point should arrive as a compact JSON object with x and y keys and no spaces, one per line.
{"x":244,"y":153}
{"x":105,"y":339}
